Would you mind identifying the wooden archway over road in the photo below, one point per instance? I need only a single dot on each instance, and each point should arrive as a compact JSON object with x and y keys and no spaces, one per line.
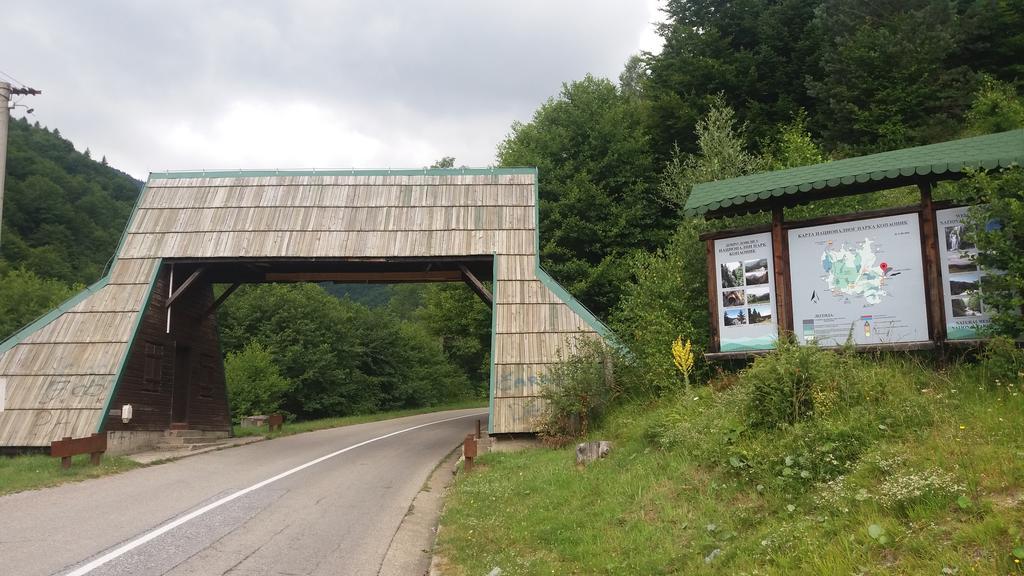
{"x":68,"y":373}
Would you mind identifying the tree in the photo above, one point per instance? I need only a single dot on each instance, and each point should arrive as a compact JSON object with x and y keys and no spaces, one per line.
{"x":996,"y":108}
{"x":24,"y":296}
{"x":886,"y":75}
{"x":633,"y":77}
{"x":461,"y":323}
{"x":756,"y":53}
{"x":340,"y":357}
{"x":444,"y":162}
{"x":722,"y":154}
{"x":63,"y":212}
{"x":255,"y":385}
{"x":597,"y":196}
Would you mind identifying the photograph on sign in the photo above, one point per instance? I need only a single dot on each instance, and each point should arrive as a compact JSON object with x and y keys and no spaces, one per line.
{"x":961,"y":276}
{"x":859,"y":281}
{"x":746,"y":293}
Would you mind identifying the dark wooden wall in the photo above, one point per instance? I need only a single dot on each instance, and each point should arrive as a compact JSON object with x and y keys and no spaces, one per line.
{"x":147,"y":382}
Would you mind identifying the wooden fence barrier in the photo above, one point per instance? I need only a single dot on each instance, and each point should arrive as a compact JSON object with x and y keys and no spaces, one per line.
{"x":94,"y":445}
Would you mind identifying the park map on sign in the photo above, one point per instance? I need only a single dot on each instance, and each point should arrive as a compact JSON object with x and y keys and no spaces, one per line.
{"x":852,"y":272}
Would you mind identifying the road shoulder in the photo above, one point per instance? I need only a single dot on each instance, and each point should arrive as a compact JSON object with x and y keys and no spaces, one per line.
{"x":412,"y":546}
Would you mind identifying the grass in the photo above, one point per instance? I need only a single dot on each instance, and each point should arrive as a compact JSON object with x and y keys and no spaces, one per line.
{"x":33,"y":472}
{"x":290,"y":428}
{"x":908,"y":470}
{"x":20,"y":473}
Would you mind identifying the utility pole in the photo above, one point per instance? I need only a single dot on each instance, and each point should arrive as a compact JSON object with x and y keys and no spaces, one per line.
{"x":5,"y":116}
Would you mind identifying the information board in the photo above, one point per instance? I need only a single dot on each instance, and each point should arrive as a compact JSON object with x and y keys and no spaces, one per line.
{"x":746,"y":293}
{"x":961,"y":277}
{"x":861,"y":281}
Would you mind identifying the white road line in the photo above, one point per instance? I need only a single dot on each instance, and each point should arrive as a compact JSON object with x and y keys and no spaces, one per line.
{"x":157,"y":532}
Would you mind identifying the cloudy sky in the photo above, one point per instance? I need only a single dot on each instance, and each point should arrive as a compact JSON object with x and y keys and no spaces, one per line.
{"x":190,"y":84}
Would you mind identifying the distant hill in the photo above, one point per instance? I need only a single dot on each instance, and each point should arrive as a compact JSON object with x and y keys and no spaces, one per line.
{"x":63,"y":211}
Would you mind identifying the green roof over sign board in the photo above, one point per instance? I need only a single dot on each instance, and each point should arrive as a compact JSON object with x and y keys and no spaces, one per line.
{"x":941,"y":161}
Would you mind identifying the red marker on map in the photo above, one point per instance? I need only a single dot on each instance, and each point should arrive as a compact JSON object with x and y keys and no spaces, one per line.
{"x":884,"y":267}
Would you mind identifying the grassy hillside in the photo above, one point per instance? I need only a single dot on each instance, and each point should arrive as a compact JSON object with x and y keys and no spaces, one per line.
{"x":892,"y":467}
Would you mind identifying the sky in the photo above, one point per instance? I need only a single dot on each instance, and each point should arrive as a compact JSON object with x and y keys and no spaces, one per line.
{"x":190,"y":84}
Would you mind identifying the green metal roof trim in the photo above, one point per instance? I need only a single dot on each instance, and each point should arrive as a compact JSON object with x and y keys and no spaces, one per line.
{"x":19,"y":336}
{"x":170,"y":175}
{"x":989,"y":152}
{"x":136,"y":327}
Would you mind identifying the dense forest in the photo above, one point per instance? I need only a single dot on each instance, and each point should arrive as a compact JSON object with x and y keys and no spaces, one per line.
{"x":63,"y":211}
{"x":739,"y":87}
{"x":63,"y":216}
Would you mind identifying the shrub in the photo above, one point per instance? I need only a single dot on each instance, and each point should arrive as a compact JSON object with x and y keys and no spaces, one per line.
{"x":1002,"y":361}
{"x":782,"y":383}
{"x":255,"y":385}
{"x":577,"y":391}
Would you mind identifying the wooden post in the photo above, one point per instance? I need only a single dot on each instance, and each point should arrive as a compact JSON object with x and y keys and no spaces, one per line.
{"x":781,"y":266}
{"x":478,"y":428}
{"x":932,"y":264}
{"x":65,"y":461}
{"x":274,"y":422}
{"x":469,"y":451}
{"x":713,"y":294}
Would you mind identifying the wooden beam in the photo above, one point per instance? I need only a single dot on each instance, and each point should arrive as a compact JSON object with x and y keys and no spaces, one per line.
{"x":712,"y":264}
{"x":476,"y":285}
{"x":185,"y":285}
{"x":365,"y":277}
{"x":220,"y":300}
{"x":932,"y":265}
{"x":780,"y":262}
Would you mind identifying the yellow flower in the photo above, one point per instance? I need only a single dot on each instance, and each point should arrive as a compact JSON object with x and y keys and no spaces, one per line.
{"x":682,"y":356}
{"x":962,"y":427}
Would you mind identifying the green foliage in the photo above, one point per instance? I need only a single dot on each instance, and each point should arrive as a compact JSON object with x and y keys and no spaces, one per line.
{"x":783,"y":383}
{"x":339,"y":356}
{"x":1003,"y":362}
{"x":887,"y":79}
{"x":461,"y":322}
{"x":63,"y":212}
{"x":369,"y":295}
{"x":24,"y":296}
{"x":255,"y":386}
{"x":793,"y":146}
{"x":667,"y":299}
{"x":757,"y":54}
{"x":996,"y":108}
{"x":597,"y":196}
{"x":871,"y":75}
{"x":997,"y":227}
{"x":577,"y":391}
{"x":722,"y":154}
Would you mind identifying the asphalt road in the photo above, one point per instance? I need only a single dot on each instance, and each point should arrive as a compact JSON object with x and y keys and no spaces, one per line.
{"x":325,"y":502}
